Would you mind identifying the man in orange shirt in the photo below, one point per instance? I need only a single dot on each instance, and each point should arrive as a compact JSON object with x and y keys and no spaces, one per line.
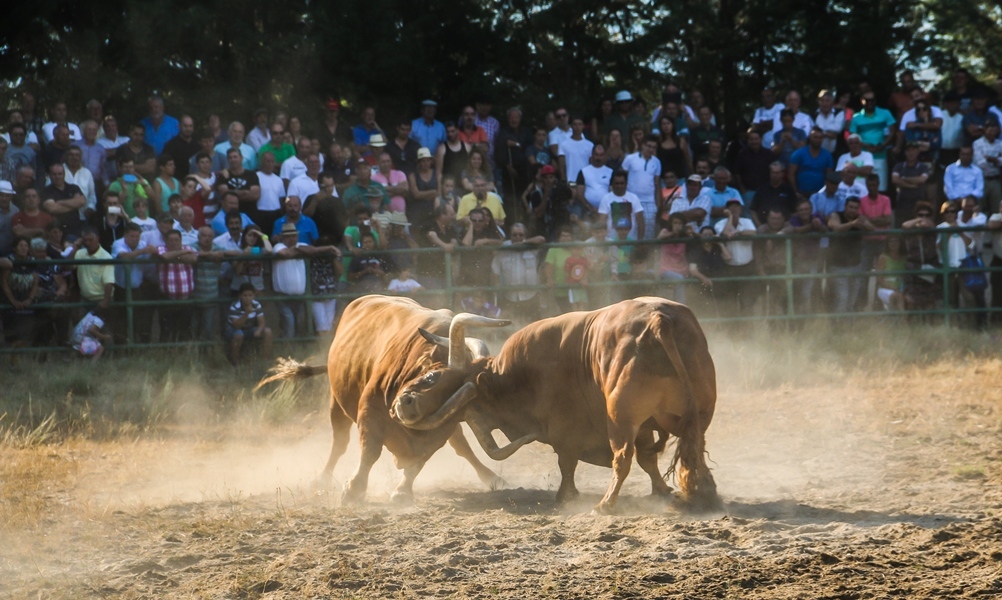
{"x":469,"y":131}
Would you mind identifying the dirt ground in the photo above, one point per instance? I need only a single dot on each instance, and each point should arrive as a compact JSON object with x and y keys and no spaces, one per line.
{"x":836,"y":484}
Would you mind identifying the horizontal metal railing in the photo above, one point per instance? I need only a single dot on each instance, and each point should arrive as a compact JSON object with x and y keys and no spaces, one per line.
{"x":450,"y":288}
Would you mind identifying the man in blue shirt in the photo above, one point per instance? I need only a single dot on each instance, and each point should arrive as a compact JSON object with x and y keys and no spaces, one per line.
{"x":160,"y":128}
{"x":426,"y":131}
{"x":809,"y":164}
{"x":364,"y":130}
{"x":306,"y":226}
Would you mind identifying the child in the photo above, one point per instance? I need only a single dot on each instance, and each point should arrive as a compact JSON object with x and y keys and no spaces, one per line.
{"x":403,"y":283}
{"x":477,"y":304}
{"x":143,"y":218}
{"x":245,"y":322}
{"x":87,"y":336}
{"x":449,"y":192}
{"x":576,"y":270}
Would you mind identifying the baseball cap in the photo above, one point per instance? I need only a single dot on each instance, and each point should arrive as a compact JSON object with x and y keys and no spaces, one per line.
{"x":429,"y":102}
{"x":623,"y":96}
{"x":731,"y":201}
{"x":694,"y":178}
{"x":333,"y":104}
{"x":547,"y":170}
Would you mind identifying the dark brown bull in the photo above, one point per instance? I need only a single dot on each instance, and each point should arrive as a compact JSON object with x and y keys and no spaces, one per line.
{"x":596,"y":386}
{"x":377,"y":350}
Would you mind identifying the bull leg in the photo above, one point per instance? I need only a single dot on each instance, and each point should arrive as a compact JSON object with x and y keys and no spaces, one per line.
{"x":370,"y":441}
{"x":647,"y":458}
{"x":404,"y":492}
{"x":568,"y":491}
{"x":621,"y":440}
{"x":458,"y":442}
{"x":341,"y":429}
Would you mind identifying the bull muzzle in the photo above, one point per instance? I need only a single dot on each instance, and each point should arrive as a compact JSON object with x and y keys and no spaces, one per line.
{"x":405,"y":409}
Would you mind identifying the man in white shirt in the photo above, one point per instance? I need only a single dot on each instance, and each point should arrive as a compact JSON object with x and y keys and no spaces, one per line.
{"x":988,"y":158}
{"x":80,"y":176}
{"x":801,"y":120}
{"x":294,"y":166}
{"x":857,"y":156}
{"x":559,"y":133}
{"x":695,"y":205}
{"x":307,"y":184}
{"x":952,"y":131}
{"x":620,"y":203}
{"x":58,"y":115}
{"x":269,"y":205}
{"x":594,"y":179}
{"x":644,"y":172}
{"x":260,"y":135}
{"x":574,"y":152}
{"x":830,"y":120}
{"x":742,"y":261}
{"x":850,"y":185}
{"x":766,"y":114}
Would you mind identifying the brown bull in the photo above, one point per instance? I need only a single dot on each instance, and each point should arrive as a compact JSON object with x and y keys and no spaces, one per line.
{"x":596,"y":386}
{"x":377,"y":350}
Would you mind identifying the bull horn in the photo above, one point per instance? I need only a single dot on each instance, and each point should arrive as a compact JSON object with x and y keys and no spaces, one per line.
{"x":477,"y":347}
{"x":457,"y":335}
{"x":453,"y":405}
{"x":483,"y":435}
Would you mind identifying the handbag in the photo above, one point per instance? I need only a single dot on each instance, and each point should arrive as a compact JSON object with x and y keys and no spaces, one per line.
{"x":974,"y":281}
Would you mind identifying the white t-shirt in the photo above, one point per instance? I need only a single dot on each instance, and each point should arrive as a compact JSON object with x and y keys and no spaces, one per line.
{"x":147,"y":224}
{"x":909,"y":116}
{"x":29,"y":138}
{"x":272,"y":191}
{"x":288,"y":275}
{"x":605,"y":208}
{"x":576,"y":155}
{"x":741,"y":251}
{"x":557,"y":135}
{"x":75,"y":134}
{"x":303,"y":187}
{"x":864,"y":159}
{"x":834,"y":121}
{"x":767,"y":114}
{"x":406,"y":285}
{"x":596,"y":183}
{"x":292,"y":168}
{"x":978,"y":219}
{"x":642,"y":173}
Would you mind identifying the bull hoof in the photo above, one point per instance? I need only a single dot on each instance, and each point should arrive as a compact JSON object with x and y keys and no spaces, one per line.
{"x":604,"y":508}
{"x":351,"y":497}
{"x":402,"y":498}
{"x":497,"y":483}
{"x":662,"y":494}
{"x":565,"y":496}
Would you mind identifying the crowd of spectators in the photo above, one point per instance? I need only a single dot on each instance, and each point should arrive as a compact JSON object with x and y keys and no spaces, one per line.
{"x":221,"y":216}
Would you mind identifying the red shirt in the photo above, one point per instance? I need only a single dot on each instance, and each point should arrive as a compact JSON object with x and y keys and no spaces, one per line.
{"x":197,"y":204}
{"x":875,"y":207}
{"x":39,"y":221}
{"x":477,"y":136}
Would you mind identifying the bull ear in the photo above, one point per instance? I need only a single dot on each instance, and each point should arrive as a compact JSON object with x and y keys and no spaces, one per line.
{"x":434,"y":339}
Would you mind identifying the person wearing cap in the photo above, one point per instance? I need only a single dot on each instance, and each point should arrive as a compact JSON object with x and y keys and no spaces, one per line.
{"x":623,"y":118}
{"x":260,"y":135}
{"x":7,"y":213}
{"x":988,"y":158}
{"x":358,"y":191}
{"x":402,"y":149}
{"x":810,"y":164}
{"x":236,"y":140}
{"x":694,"y":204}
{"x":333,"y":129}
{"x":159,"y":128}
{"x":876,"y":128}
{"x":365,"y":130}
{"x":399,"y":239}
{"x":857,"y":156}
{"x":288,"y":274}
{"x":423,"y":185}
{"x":909,"y":177}
{"x":742,"y":260}
{"x":426,"y":130}
{"x":620,"y":204}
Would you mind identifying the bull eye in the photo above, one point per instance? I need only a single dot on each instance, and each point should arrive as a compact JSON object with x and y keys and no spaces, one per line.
{"x":432,"y":377}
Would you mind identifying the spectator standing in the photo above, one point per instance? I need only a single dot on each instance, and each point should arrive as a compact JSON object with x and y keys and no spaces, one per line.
{"x":806,"y":252}
{"x":288,"y":277}
{"x":776,"y":194}
{"x":643,"y":176}
{"x":305,"y":226}
{"x":260,"y":135}
{"x":963,"y":178}
{"x":326,"y":210}
{"x":143,"y":156}
{"x":423,"y":187}
{"x":593,"y":180}
{"x":489,"y":124}
{"x":909,"y":177}
{"x":236,"y":134}
{"x":182,"y":148}
{"x":801,"y":120}
{"x":720,"y":193}
{"x":988,"y":158}
{"x":426,"y":130}
{"x":952,"y":131}
{"x":92,"y":153}
{"x":787,"y":139}
{"x":393,"y":180}
{"x":810,"y":164}
{"x":19,"y":152}
{"x":332,"y":130}
{"x":830,"y":120}
{"x":875,"y":127}
{"x":621,"y":205}
{"x":97,"y":281}
{"x":845,"y":254}
{"x":8,"y":212}
{"x":30,"y":221}
{"x":516,"y":266}
{"x":453,"y":155}
{"x":623,"y":118}
{"x":510,"y":153}
{"x":159,"y":128}
{"x":995,"y":227}
{"x":695,"y":206}
{"x":402,"y":149}
{"x":276,"y":145}
{"x":751,"y":167}
{"x":742,"y":261}
{"x":560,"y":132}
{"x":574,"y":152}
{"x":111,"y":141}
{"x":63,"y":201}
{"x":57,"y":114}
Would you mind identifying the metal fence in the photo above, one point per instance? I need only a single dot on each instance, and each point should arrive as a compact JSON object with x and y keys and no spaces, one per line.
{"x":451,"y":290}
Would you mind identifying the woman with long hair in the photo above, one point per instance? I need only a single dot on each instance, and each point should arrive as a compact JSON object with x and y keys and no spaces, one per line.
{"x":477,"y":167}
{"x":614,"y":152}
{"x":673,"y":151}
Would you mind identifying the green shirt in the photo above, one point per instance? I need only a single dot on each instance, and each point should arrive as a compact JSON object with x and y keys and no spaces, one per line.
{"x":281,"y":153}
{"x":128,"y":195}
{"x":557,"y":257}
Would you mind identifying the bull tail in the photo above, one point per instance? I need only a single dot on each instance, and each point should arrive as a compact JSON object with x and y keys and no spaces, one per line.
{"x":688,"y":464}
{"x":287,"y":369}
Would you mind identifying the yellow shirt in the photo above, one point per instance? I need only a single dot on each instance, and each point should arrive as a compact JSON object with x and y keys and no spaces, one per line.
{"x":93,"y":278}
{"x":492,"y":202}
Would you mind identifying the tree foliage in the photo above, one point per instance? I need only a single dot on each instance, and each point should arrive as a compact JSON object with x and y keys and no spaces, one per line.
{"x":234,"y":56}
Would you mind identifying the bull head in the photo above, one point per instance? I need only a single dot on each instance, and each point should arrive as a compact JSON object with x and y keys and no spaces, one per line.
{"x":431,"y":400}
{"x":419,"y":404}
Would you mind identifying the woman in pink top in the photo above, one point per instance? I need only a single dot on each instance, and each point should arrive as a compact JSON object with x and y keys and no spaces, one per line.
{"x":394,"y":181}
{"x":674,"y":262}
